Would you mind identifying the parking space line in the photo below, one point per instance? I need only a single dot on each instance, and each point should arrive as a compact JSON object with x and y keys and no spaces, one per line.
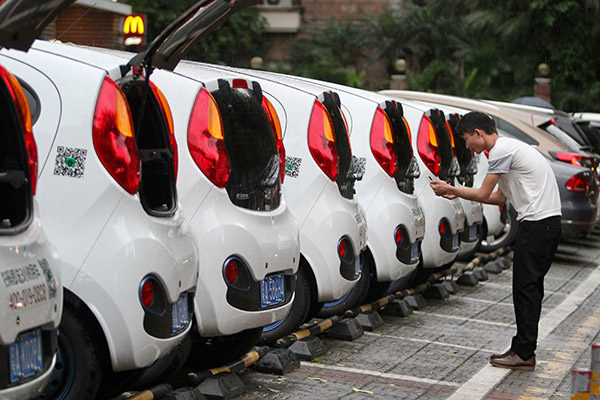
{"x":485,"y":301}
{"x":479,"y":321}
{"x":486,"y":379}
{"x":404,"y":338}
{"x":379,"y":374}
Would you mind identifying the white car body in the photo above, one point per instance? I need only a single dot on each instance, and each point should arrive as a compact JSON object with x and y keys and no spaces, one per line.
{"x":323,"y":214}
{"x":30,"y":283}
{"x":108,"y":243}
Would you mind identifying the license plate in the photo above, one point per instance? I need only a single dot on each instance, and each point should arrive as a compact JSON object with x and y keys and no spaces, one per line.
{"x":414,"y":252}
{"x":181,"y":314}
{"x":472,"y":233}
{"x":25,"y":355}
{"x":455,"y":242}
{"x":272,"y":290}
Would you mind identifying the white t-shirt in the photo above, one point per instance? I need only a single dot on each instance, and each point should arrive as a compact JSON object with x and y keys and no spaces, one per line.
{"x":526,"y":179}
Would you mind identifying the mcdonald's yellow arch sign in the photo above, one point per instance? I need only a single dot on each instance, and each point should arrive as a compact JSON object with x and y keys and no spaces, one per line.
{"x":134,"y":30}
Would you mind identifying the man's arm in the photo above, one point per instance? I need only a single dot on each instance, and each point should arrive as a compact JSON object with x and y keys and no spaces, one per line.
{"x":483,"y":194}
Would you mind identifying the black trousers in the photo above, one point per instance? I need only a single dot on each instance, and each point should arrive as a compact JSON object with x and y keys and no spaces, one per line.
{"x":534,"y":251}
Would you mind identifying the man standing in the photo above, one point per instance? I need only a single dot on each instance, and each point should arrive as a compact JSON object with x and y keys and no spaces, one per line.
{"x":526,"y":179}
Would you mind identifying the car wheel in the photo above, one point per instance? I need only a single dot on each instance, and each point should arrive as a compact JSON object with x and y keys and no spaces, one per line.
{"x":295,"y":317}
{"x":221,"y":350}
{"x":504,"y":238}
{"x":78,"y":370}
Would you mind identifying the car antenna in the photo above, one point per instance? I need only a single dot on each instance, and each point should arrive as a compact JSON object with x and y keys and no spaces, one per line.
{"x":76,"y":21}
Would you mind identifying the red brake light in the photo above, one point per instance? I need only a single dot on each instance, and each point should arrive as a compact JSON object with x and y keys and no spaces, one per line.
{"x":343,"y":248}
{"x":578,"y":183}
{"x":276,"y":126}
{"x":231,"y":270}
{"x":147,"y":292}
{"x":321,"y":140}
{"x":427,"y":145}
{"x":382,"y":142}
{"x":575,"y":159}
{"x":239,"y":83}
{"x":25,"y":115}
{"x":205,"y":139}
{"x":398,"y":235}
{"x":443,"y":227}
{"x":164,"y":104}
{"x":113,"y":137}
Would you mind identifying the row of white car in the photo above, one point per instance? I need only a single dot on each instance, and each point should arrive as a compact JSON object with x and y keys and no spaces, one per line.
{"x":193,"y":209}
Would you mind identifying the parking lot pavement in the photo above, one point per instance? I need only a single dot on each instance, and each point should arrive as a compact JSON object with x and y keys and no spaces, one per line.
{"x":442,"y":350}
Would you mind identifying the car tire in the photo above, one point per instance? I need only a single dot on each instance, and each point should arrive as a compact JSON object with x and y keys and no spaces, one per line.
{"x":295,"y":317}
{"x":78,"y":371}
{"x":221,"y":350}
{"x":505,"y":238}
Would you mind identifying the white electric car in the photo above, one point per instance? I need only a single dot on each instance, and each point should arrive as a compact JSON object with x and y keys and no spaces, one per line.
{"x":30,"y":283}
{"x":319,"y":187}
{"x":381,"y":140}
{"x":108,"y":201}
{"x":230,"y":172}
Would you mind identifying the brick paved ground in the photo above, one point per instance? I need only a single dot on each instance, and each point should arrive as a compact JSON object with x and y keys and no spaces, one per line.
{"x":443,"y":349}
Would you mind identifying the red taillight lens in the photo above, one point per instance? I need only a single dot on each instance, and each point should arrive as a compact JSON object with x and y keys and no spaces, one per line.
{"x":450,"y":133}
{"x":164,"y":104}
{"x":276,"y":126}
{"x":382,"y":142}
{"x":25,"y":115}
{"x":232,"y":270}
{"x":427,"y":145}
{"x":205,"y":139}
{"x":147,"y":292}
{"x":578,"y":183}
{"x":398,"y":236}
{"x":575,"y":159}
{"x":408,"y":132}
{"x":443,"y":227}
{"x":321,"y":141}
{"x":113,"y":137}
{"x":343,"y":248}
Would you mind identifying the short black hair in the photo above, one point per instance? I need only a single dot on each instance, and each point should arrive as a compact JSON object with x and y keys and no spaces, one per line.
{"x":476,"y":120}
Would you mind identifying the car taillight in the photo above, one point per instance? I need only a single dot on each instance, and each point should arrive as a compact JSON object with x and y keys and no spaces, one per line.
{"x":398,"y":235}
{"x":232,"y":270}
{"x":276,"y":126}
{"x":113,"y":137}
{"x":205,"y":139}
{"x":451,"y":135}
{"x":164,"y":104}
{"x":443,"y":227}
{"x":578,"y":183}
{"x":25,"y":115}
{"x":382,"y":142}
{"x":575,"y":159}
{"x":147,"y":292}
{"x":321,"y":141}
{"x":427,"y":145}
{"x":408,"y":132}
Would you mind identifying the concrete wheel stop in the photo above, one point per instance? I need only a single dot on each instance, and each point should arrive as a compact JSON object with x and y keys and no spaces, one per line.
{"x":278,"y":362}
{"x":437,"y":291}
{"x":224,"y":386}
{"x":309,"y":348}
{"x":184,"y":393}
{"x":450,"y":286}
{"x":347,"y":329}
{"x":398,"y":308}
{"x":369,"y":320}
{"x":481,"y":274}
{"x":416,"y":301}
{"x":504,"y":263}
{"x":493,"y":267}
{"x":467,"y":279}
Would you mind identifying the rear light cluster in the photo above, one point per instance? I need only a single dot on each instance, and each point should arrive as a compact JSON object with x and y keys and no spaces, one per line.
{"x":348,"y":266}
{"x":427,"y":145}
{"x":276,"y":126}
{"x":236,"y":274}
{"x":575,"y":159}
{"x":164,"y":105}
{"x":18,"y":96}
{"x":321,"y":140}
{"x":205,"y":139}
{"x":579,"y":183}
{"x":382,"y":142}
{"x":113,"y":137}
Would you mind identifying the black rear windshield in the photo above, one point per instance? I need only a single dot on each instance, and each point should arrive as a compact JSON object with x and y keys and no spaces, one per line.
{"x":254,"y":181}
{"x":158,"y":193}
{"x":405,"y":167}
{"x":16,"y":198}
{"x":345,"y":179}
{"x":444,"y":144}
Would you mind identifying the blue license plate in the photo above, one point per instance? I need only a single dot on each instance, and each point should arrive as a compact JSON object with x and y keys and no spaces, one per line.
{"x":272,"y":290}
{"x":180,"y":316}
{"x":455,"y":242}
{"x":414,"y":252}
{"x":25,"y":355}
{"x":472,"y":233}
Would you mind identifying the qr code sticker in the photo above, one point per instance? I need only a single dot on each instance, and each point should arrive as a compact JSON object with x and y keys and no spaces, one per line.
{"x":70,"y":162}
{"x":292,"y":166}
{"x":359,"y":165}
